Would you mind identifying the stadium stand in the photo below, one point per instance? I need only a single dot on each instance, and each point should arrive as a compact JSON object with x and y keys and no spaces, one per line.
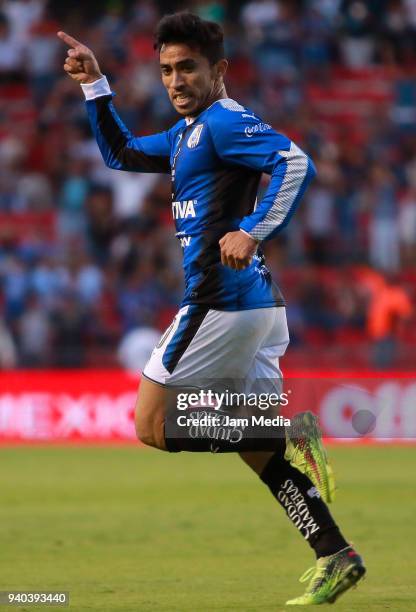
{"x":87,"y":254}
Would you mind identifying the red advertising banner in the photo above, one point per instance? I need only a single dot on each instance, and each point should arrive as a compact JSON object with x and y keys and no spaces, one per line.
{"x":59,"y":406}
{"x":364,"y":406}
{"x":98,"y":406}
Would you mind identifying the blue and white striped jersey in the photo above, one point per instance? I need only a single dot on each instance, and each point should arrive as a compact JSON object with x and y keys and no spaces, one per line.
{"x":216,"y":162}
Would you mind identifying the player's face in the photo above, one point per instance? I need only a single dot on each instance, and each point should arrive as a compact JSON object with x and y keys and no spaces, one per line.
{"x":191,"y":82}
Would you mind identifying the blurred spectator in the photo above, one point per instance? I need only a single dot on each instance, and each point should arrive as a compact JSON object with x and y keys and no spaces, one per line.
{"x":140,"y":297}
{"x":407,"y":226}
{"x":101,"y":223}
{"x":23,"y":14}
{"x":69,"y":321}
{"x":384,"y":239}
{"x":15,"y":280}
{"x":316,"y":303}
{"x":317,"y":45}
{"x":410,"y":6}
{"x":327,"y":8}
{"x":136,"y":347}
{"x":47,"y":281}
{"x":258,"y":16}
{"x":75,"y":188}
{"x":358,"y":44}
{"x":8,"y":352}
{"x":34,"y":334}
{"x":389,"y":307}
{"x":319,"y":222}
{"x":34,"y":192}
{"x":130,"y":191}
{"x":11,"y":50}
{"x":43,"y":50}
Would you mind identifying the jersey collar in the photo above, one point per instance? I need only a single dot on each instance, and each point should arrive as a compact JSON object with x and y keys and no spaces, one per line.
{"x":191,"y":120}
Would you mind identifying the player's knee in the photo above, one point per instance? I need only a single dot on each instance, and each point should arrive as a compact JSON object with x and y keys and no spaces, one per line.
{"x":147,"y":431}
{"x":144,"y":432}
{"x":149,"y":416}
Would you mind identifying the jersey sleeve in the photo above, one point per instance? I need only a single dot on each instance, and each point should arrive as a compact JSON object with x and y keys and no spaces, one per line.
{"x":119,"y":148}
{"x":241,"y":138}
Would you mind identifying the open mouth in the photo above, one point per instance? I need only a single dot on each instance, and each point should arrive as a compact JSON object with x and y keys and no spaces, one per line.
{"x":182,"y":99}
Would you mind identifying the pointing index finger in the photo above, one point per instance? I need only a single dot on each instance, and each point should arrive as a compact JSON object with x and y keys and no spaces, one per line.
{"x":69,"y":40}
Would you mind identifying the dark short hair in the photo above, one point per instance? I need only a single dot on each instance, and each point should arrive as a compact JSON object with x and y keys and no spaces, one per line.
{"x":197,"y":33}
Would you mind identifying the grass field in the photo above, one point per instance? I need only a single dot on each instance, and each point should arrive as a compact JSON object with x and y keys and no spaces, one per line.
{"x":136,"y":530}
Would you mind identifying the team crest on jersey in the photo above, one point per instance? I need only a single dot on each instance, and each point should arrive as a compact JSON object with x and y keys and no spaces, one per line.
{"x":195,"y":137}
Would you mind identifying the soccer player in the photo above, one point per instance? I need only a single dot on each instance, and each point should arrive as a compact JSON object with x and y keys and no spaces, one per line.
{"x":232,"y":322}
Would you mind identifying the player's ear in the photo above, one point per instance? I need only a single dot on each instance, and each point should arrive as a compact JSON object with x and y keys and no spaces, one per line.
{"x":221,"y":68}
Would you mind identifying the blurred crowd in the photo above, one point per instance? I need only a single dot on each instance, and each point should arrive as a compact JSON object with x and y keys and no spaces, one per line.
{"x":87,"y":255}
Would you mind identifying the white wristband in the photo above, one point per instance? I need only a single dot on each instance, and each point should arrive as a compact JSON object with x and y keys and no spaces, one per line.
{"x":98,"y":88}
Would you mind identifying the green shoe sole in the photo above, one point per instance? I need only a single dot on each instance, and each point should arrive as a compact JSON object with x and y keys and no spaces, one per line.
{"x":350,"y":580}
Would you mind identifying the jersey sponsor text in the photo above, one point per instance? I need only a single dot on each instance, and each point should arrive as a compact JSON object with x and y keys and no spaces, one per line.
{"x":183,"y":210}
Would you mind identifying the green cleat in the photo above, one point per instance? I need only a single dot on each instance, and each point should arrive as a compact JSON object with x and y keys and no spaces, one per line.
{"x":331,"y":577}
{"x":305,"y":451}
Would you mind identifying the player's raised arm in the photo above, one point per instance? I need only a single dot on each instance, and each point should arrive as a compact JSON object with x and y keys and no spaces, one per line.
{"x":119,"y":148}
{"x":80,"y":63}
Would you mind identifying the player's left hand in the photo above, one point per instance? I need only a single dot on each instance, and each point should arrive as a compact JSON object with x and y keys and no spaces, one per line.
{"x":237,"y":250}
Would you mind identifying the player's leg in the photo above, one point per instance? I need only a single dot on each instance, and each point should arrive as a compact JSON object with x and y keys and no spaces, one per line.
{"x":257,"y":461}
{"x":150,"y":414}
{"x":299,"y":498}
{"x":152,"y":398}
{"x":303,"y":447}
{"x":338,"y":566}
